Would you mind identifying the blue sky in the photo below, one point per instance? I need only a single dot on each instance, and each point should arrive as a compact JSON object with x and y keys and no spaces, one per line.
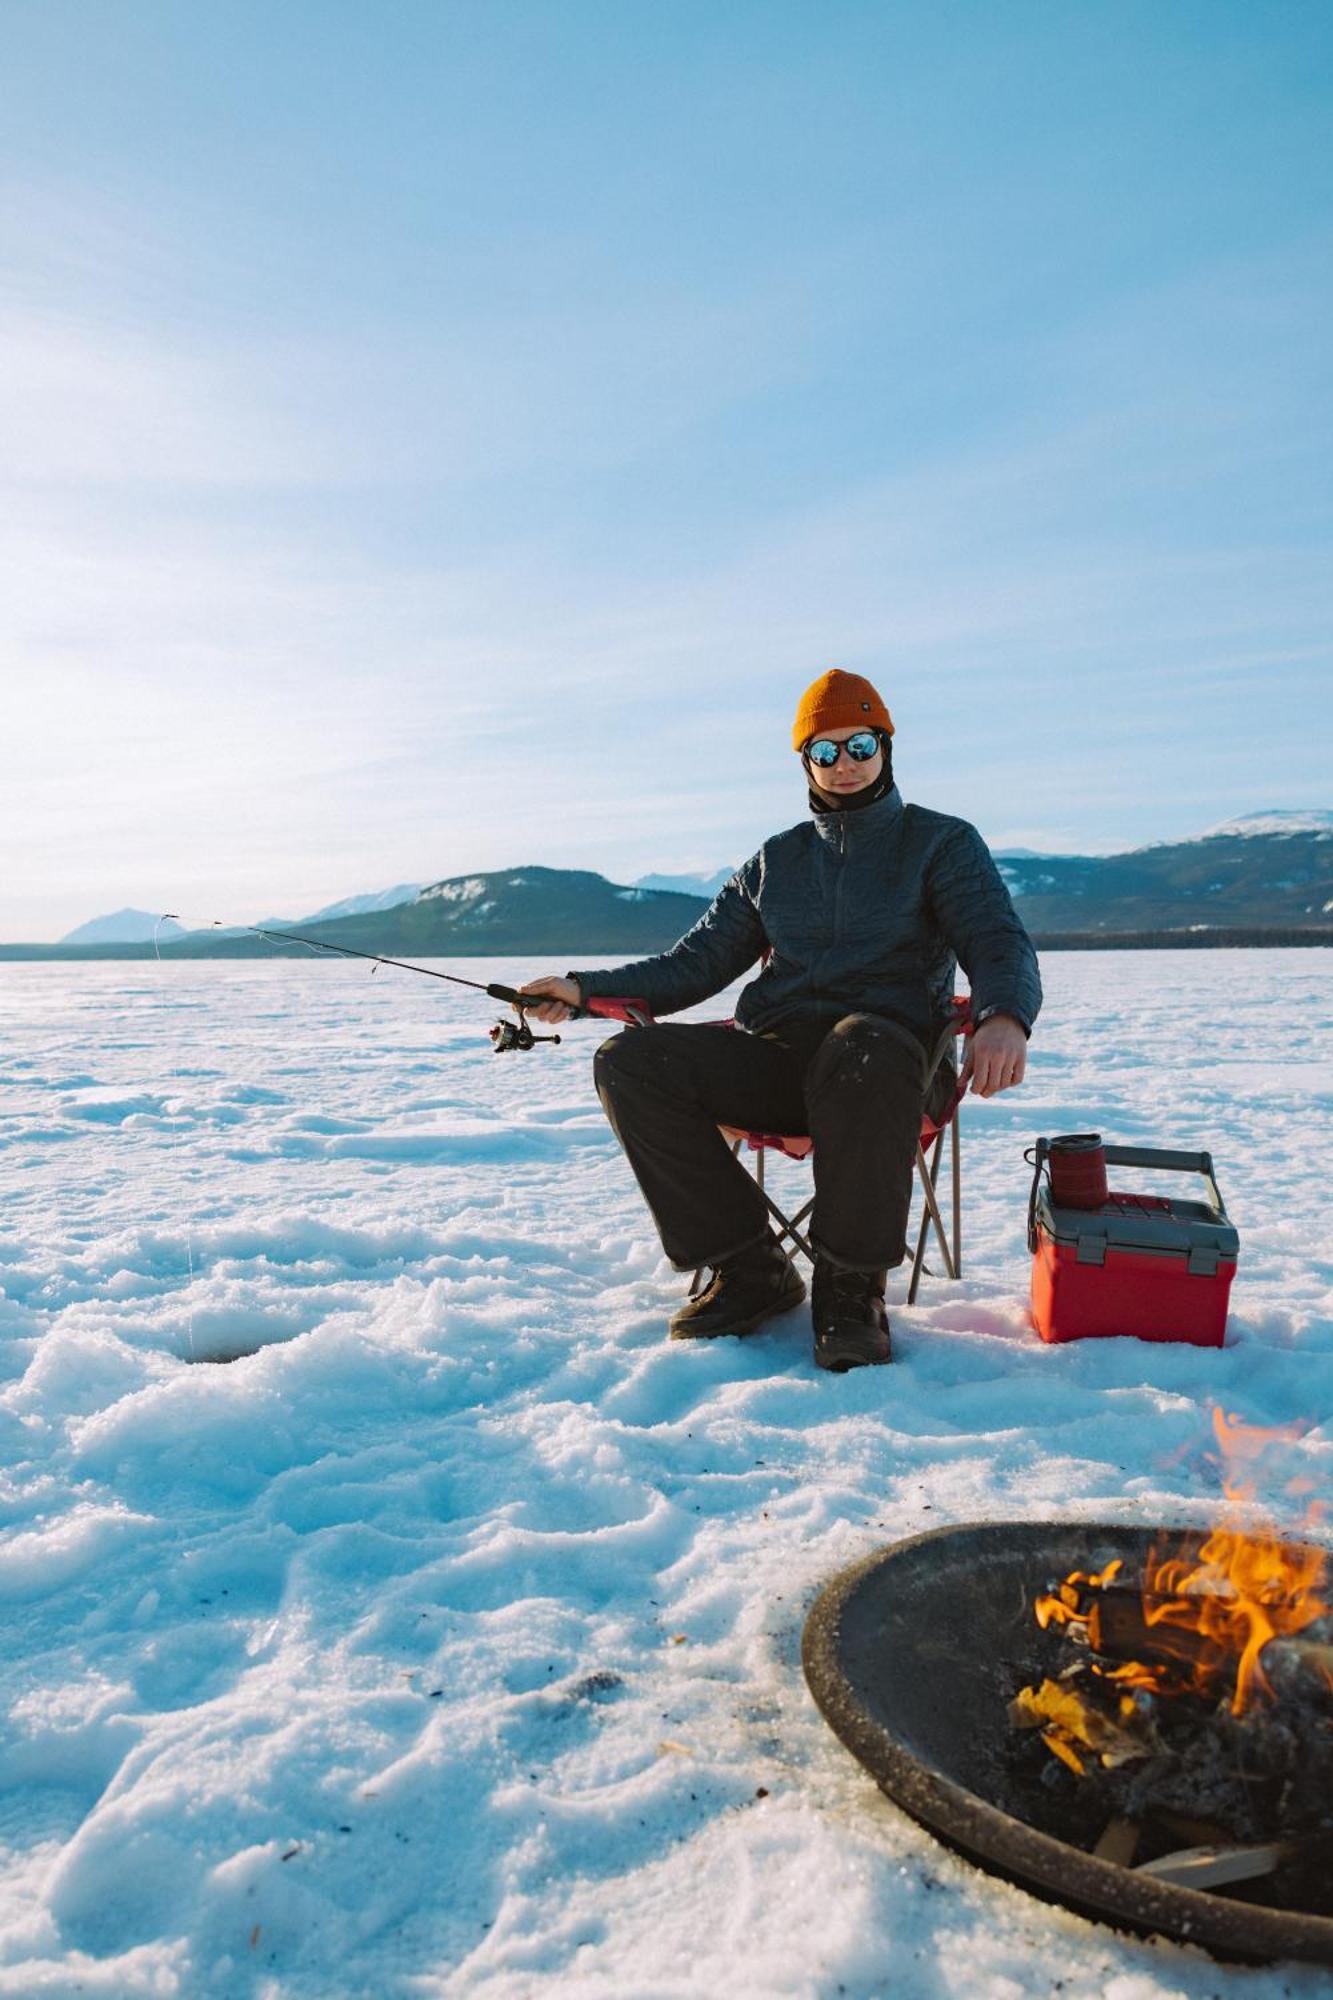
{"x":444,"y":437}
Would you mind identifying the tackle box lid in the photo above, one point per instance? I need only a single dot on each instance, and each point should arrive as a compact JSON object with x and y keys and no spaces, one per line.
{"x":1145,"y":1223}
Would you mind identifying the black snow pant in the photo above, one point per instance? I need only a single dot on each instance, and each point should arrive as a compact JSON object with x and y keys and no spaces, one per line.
{"x":856,"y":1086}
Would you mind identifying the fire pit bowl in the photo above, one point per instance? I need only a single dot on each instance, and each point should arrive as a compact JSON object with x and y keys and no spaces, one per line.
{"x":912,"y":1657}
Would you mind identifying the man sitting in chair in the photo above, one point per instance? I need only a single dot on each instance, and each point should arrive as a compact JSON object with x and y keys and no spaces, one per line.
{"x":860,"y":914}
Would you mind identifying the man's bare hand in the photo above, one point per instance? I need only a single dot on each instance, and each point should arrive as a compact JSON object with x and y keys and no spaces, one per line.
{"x":997,"y":1056}
{"x":560,"y":998}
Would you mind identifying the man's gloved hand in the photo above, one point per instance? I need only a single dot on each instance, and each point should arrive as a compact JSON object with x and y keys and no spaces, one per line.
{"x":997,"y":1056}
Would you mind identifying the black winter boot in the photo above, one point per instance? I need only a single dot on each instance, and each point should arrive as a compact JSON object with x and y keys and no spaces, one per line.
{"x":743,"y":1292}
{"x":851,"y":1325}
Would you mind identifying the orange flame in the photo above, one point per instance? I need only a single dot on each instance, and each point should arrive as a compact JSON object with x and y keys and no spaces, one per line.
{"x":1241,"y":1589}
{"x":1239,"y":1592}
{"x":1064,"y":1606}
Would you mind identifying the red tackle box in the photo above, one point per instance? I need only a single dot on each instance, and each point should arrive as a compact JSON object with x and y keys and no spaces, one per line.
{"x":1155,"y":1267}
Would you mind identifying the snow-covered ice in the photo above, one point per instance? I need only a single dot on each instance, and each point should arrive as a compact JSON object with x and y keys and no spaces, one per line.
{"x":391,"y":1609}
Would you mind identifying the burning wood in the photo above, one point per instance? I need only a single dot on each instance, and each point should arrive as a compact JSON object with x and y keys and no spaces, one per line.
{"x":1226,"y":1616}
{"x":1198,"y":1695}
{"x":1141,"y":1640}
{"x":1078,"y":1730}
{"x":1145,"y":1712}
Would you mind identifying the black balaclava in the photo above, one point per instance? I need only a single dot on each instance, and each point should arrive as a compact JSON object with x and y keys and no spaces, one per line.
{"x":830,"y":802}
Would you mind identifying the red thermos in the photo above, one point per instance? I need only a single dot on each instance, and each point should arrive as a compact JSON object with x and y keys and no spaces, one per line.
{"x":1078,"y":1170}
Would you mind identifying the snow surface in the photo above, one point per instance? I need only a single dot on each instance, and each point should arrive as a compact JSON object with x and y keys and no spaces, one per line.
{"x":391,"y":1609}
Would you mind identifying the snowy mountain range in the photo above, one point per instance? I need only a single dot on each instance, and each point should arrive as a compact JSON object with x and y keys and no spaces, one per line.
{"x":558,"y":910}
{"x":125,"y":927}
{"x":350,"y":906}
{"x":1261,"y":871}
{"x":1264,"y":871}
{"x":1256,"y":825}
{"x":141,"y":926}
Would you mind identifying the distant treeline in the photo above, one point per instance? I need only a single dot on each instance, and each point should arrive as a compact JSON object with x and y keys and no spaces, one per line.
{"x":1219,"y":939}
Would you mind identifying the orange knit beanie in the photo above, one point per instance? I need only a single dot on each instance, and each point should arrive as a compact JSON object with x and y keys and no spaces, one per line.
{"x":839,"y":701}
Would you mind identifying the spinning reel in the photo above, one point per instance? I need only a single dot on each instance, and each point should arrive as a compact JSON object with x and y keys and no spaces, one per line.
{"x":507,"y":1035}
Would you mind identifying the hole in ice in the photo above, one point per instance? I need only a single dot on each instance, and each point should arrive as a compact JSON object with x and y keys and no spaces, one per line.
{"x":229,"y":1333}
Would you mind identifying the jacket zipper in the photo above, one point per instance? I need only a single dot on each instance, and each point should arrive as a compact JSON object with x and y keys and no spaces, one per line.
{"x":842,"y":881}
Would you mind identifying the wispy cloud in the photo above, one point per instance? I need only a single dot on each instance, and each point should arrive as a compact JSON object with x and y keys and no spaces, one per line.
{"x":292,"y":608}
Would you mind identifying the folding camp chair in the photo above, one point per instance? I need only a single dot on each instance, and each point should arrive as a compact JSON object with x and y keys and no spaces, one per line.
{"x":929,"y":1153}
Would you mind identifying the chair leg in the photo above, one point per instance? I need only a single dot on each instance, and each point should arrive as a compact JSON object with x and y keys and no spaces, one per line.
{"x":932,"y":1202}
{"x":788,"y":1226}
{"x":927,"y":1174}
{"x":919,"y":1254}
{"x":801,"y":1214}
{"x":955,"y":1150}
{"x":785,"y":1229}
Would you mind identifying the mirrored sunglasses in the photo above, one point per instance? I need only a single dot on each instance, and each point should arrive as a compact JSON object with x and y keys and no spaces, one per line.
{"x":823,"y":751}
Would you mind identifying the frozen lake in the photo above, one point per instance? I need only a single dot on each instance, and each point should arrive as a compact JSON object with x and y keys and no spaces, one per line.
{"x":446,"y":1641}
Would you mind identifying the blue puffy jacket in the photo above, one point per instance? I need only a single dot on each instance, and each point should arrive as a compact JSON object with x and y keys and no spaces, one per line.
{"x":864,"y":911}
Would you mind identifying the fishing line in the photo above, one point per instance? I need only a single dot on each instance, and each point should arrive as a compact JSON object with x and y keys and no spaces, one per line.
{"x":505,"y":1035}
{"x":493,"y":989}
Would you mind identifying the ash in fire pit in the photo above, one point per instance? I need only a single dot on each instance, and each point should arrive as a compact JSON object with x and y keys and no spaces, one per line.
{"x":1091,"y":1756}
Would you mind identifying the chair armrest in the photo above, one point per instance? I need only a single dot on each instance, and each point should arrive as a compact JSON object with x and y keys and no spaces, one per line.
{"x":636,"y":1013}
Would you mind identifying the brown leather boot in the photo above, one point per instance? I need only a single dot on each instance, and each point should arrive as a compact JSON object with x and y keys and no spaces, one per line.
{"x":851,"y":1324}
{"x":756,"y":1285}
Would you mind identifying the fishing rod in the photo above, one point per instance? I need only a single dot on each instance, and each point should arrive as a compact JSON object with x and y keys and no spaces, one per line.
{"x":505,"y":1035}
